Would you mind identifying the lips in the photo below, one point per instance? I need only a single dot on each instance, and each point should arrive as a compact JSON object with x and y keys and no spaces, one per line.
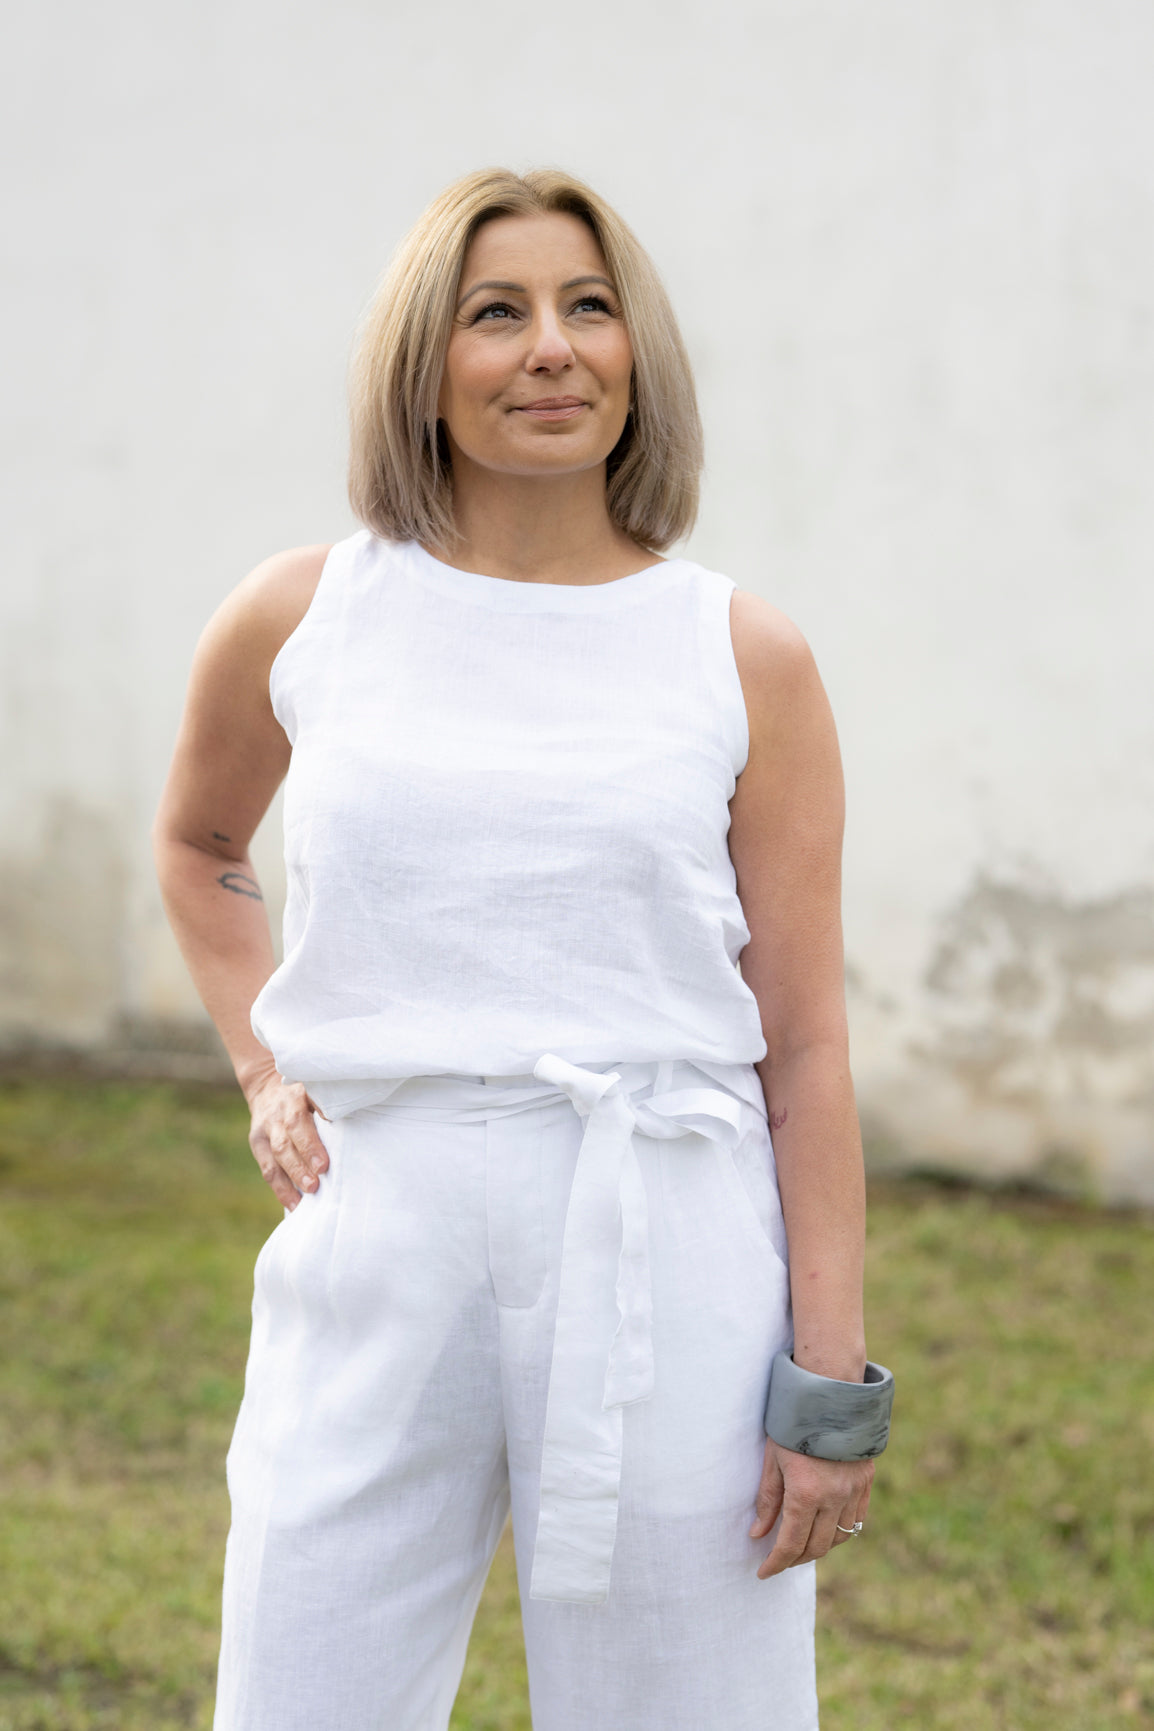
{"x":552,"y":411}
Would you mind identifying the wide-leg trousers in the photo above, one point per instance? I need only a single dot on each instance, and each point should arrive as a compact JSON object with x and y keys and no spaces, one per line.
{"x":394,"y":1413}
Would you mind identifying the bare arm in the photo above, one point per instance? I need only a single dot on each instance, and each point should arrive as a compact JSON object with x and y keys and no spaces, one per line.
{"x":785,"y":840}
{"x":231,"y":755}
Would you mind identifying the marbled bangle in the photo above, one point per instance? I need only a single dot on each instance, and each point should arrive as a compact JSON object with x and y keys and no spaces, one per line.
{"x":818,"y":1415}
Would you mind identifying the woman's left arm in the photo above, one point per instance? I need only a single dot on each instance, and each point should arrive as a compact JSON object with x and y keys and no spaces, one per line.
{"x":785,"y":839}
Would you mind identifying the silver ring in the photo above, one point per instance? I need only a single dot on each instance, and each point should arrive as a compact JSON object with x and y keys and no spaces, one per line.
{"x":856,"y":1528}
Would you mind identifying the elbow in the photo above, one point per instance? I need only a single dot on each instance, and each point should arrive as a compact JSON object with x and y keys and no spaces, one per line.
{"x":160,"y":836}
{"x":826,"y":1045}
{"x":165,"y":849}
{"x":170,"y":846}
{"x":163,"y":835}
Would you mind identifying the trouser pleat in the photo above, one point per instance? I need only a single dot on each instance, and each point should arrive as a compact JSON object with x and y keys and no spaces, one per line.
{"x":395,"y":1408}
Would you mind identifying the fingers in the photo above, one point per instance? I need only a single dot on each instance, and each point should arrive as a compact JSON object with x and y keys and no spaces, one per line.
{"x":821,"y":1535}
{"x":769,"y":1497}
{"x":285,"y":1143}
{"x":845,"y":1524}
{"x":793,"y":1537}
{"x":815,"y":1498}
{"x":282,"y":1187}
{"x":285,"y":1192}
{"x":299,"y":1151}
{"x":853,"y":1512}
{"x":282,"y":1165}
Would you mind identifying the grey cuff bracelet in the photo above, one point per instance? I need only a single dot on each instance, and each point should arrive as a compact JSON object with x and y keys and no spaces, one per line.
{"x":818,"y":1415}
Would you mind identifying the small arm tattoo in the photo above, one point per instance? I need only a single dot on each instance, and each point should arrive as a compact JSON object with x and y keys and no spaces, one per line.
{"x":240,"y":885}
{"x":777,"y":1119}
{"x":216,"y":836}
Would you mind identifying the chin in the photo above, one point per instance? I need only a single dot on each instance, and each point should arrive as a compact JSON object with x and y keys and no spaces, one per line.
{"x":557,"y":454}
{"x":550,"y":457}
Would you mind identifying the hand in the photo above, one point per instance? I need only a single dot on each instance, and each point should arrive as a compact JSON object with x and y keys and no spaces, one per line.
{"x":813,"y":1497}
{"x":284,"y":1139}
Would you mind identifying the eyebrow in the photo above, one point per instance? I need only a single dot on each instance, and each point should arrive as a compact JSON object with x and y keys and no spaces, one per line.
{"x":519,"y":288}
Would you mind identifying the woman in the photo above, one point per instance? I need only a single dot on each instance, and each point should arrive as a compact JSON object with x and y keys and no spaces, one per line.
{"x":544,"y":788}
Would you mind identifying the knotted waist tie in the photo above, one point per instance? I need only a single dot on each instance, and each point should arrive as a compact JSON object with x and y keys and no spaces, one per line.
{"x":597,"y":1367}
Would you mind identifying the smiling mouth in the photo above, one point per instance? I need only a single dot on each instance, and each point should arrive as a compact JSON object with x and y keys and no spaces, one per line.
{"x":553,"y":408}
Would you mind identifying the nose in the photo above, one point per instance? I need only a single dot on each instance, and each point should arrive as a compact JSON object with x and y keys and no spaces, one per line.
{"x":550,"y":350}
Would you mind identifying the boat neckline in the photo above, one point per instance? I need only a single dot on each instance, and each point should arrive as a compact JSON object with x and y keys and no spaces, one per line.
{"x":528,"y":596}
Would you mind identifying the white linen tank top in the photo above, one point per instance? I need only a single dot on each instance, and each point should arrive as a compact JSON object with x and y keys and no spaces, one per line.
{"x":506,"y":821}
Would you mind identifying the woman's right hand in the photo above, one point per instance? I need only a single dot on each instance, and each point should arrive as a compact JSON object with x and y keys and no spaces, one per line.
{"x":231,"y":755}
{"x":284,"y":1139}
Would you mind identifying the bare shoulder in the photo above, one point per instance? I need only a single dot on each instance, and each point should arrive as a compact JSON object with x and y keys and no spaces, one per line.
{"x":266,"y":607}
{"x":794,"y":761}
{"x":774,"y":661}
{"x":762,"y":632}
{"x":232,"y":661}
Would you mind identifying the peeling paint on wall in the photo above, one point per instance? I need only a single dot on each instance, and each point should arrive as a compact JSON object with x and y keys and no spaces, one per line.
{"x":1033,"y":1051}
{"x":1040,"y":998}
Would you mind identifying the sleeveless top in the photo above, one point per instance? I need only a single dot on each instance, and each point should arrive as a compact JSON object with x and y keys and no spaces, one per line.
{"x":506,"y":821}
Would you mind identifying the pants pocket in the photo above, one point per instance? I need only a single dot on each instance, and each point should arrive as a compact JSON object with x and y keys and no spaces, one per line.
{"x":750,"y":1173}
{"x":295,"y":1261}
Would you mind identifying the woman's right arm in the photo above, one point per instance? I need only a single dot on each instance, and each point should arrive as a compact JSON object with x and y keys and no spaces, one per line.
{"x":231,"y":756}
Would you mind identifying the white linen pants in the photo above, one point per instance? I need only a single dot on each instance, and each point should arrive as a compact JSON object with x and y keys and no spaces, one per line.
{"x":430,"y":1331}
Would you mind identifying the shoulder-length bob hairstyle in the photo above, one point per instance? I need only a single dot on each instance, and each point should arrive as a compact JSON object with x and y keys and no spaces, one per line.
{"x":400,"y":475}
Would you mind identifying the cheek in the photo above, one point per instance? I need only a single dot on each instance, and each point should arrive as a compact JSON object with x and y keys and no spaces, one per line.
{"x":617,"y":361}
{"x":473,"y":375}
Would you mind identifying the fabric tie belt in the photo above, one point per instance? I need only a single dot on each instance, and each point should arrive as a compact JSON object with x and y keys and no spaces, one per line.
{"x":601,"y":1363}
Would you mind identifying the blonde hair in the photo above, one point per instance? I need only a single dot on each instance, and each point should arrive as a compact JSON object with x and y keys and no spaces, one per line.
{"x":400,"y":479}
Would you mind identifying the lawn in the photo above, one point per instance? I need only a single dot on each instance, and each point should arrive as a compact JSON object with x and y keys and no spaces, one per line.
{"x":1006,"y":1582}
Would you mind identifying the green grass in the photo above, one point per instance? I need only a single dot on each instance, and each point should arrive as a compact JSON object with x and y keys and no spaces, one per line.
{"x":1006,"y":1581}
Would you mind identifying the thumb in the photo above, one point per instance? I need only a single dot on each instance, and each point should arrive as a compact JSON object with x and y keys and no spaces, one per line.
{"x":769,"y":1496}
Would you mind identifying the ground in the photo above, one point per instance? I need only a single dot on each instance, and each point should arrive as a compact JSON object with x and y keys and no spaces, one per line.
{"x":1005,"y":1582}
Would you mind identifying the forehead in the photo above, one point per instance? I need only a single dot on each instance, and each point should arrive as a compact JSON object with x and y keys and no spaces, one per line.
{"x":517,"y":247}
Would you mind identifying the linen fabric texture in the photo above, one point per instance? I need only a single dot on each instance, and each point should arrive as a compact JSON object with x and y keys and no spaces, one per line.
{"x":506,"y":821}
{"x":547,"y":1270}
{"x":396,"y":1406}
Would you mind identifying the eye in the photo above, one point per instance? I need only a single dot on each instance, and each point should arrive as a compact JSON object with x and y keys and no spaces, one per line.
{"x":496,"y":307}
{"x":597,"y":302}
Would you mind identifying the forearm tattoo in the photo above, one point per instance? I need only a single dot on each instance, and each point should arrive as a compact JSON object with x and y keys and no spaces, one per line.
{"x":240,"y":885}
{"x":777,"y":1119}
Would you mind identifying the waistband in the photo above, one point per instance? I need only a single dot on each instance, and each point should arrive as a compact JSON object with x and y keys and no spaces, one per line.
{"x":454,"y":1097}
{"x":597,"y":1367}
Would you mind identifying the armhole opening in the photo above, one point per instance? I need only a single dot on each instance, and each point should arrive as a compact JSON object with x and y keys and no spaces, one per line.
{"x":740,"y":725}
{"x":724,"y":679}
{"x":336,"y":553}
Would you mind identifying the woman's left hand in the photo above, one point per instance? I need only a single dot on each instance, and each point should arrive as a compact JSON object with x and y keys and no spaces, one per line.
{"x":813,"y":1497}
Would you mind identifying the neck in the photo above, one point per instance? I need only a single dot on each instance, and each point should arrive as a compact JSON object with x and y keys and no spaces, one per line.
{"x":544,"y":529}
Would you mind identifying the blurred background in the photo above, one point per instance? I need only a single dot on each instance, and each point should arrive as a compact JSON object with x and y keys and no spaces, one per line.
{"x":912,"y":247}
{"x":911,"y":243}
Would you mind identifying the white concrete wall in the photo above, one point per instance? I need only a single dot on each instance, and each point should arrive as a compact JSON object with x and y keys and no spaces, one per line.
{"x":911,"y":242}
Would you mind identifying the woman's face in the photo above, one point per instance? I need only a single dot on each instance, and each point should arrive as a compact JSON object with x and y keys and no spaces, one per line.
{"x":539,"y":366}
